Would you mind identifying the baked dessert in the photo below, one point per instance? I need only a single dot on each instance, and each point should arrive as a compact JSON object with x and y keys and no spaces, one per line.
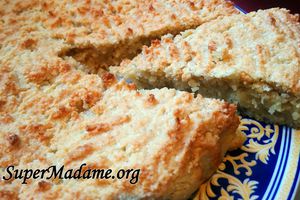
{"x":52,"y":112}
{"x":101,"y":33}
{"x":252,"y":60}
{"x":171,"y":136}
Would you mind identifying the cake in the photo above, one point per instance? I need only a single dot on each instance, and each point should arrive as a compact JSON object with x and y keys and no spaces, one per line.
{"x":252,"y":60}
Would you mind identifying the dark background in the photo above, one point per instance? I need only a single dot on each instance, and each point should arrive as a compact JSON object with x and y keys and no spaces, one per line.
{"x":252,"y":5}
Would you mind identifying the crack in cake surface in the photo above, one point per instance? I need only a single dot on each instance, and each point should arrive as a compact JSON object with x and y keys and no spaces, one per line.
{"x":97,"y":59}
{"x":120,"y":36}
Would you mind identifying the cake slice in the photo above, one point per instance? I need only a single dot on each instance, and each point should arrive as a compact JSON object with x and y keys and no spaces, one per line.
{"x":252,"y":60}
{"x":174,"y":139}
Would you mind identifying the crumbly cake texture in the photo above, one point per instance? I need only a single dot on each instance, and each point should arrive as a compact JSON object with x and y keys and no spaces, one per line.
{"x":100,"y":33}
{"x":53,"y":112}
{"x":252,"y":60}
{"x":175,"y":139}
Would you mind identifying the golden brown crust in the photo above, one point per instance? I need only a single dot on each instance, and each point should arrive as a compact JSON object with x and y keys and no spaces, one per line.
{"x":146,"y":136}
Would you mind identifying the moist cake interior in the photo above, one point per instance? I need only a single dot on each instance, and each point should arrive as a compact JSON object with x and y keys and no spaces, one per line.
{"x":267,"y":102}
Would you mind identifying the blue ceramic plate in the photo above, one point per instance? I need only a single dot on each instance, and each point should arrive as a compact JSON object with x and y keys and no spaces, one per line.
{"x":267,"y":167}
